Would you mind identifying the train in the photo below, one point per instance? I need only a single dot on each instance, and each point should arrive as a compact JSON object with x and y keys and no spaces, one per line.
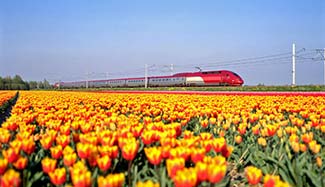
{"x":187,"y":79}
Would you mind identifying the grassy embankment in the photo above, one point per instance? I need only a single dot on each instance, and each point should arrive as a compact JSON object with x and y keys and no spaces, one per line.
{"x":303,"y":88}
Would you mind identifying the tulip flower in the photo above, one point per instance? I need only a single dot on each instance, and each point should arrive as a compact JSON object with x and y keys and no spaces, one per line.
{"x":271,"y":130}
{"x":80,"y":175}
{"x":28,"y":145}
{"x":314,"y":147}
{"x":173,"y":165}
{"x":154,"y":155}
{"x":111,"y":180}
{"x":148,"y":183}
{"x":307,"y":137}
{"x":83,"y":150}
{"x":58,"y":176}
{"x":253,"y":175}
{"x":216,"y":172}
{"x":238,"y":139}
{"x":46,"y":142}
{"x":11,"y":154}
{"x":63,"y":140}
{"x":10,"y":178}
{"x":185,"y":178}
{"x":3,"y":165}
{"x":56,"y":152}
{"x":4,"y":135}
{"x":21,"y":163}
{"x":104,"y":163}
{"x":201,"y":171}
{"x":197,"y":154}
{"x":130,"y":149}
{"x":271,"y":180}
{"x":69,"y":159}
{"x":48,"y":165}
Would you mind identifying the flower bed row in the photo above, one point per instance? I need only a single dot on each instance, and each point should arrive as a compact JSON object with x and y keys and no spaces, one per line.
{"x":96,"y":139}
{"x":7,"y":100}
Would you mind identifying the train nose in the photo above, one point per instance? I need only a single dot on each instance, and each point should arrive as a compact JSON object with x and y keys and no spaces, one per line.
{"x":240,"y":81}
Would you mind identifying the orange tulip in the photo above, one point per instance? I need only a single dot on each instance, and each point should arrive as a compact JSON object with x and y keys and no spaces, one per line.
{"x":185,"y":178}
{"x":242,"y":128}
{"x":271,"y":130}
{"x":238,"y":139}
{"x":63,"y":140}
{"x":83,"y":150}
{"x":56,"y":152}
{"x":148,"y":183}
{"x":227,"y":150}
{"x":319,"y":162}
{"x":111,"y":180}
{"x":173,"y":165}
{"x":261,"y":141}
{"x":197,"y":154}
{"x":130,"y":149}
{"x":219,"y":144}
{"x":201,"y":171}
{"x":21,"y":163}
{"x":69,"y":159}
{"x":58,"y":176}
{"x":11,"y":154}
{"x":4,"y":135}
{"x":10,"y":178}
{"x":80,"y":175}
{"x":307,"y":137}
{"x":28,"y":145}
{"x":46,"y":142}
{"x":3,"y":165}
{"x":271,"y":180}
{"x":216,"y":172}
{"x":295,"y":146}
{"x":314,"y":147}
{"x":148,"y":137}
{"x":65,"y":129}
{"x":253,"y":175}
{"x":104,"y":163}
{"x":154,"y":155}
{"x":48,"y":165}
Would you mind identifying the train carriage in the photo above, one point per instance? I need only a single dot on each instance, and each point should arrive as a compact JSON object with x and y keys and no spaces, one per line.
{"x":206,"y":78}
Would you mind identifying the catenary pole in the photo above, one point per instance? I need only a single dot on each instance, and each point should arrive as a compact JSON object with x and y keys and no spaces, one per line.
{"x":146,"y":75}
{"x":293,"y":64}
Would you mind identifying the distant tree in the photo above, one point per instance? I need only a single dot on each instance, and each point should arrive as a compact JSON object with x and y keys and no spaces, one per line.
{"x":32,"y":85}
{"x":15,"y":83}
{"x":2,"y":84}
{"x":40,"y":85}
{"x":46,"y":84}
{"x":7,"y":83}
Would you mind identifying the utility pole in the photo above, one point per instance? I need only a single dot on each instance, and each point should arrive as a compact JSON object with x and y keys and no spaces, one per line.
{"x":106,"y":78}
{"x":293,"y":64}
{"x":87,"y":77}
{"x":146,"y":75}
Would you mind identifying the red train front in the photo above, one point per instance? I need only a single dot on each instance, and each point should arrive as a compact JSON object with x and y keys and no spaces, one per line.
{"x":212,"y":78}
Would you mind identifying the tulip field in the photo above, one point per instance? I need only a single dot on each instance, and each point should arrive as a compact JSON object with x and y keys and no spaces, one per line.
{"x":85,"y":139}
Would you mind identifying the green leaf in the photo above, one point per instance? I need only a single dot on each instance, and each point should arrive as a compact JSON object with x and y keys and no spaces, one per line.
{"x":285,"y":176}
{"x":314,"y":178}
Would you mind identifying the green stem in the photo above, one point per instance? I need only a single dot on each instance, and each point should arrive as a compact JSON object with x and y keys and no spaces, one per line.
{"x":129,"y":172}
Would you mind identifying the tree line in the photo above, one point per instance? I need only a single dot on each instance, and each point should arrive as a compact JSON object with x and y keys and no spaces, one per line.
{"x":17,"y":83}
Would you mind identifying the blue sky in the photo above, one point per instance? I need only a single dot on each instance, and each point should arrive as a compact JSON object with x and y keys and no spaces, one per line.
{"x":66,"y":39}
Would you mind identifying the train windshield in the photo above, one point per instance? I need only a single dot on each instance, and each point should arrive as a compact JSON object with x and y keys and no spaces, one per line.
{"x":236,"y":74}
